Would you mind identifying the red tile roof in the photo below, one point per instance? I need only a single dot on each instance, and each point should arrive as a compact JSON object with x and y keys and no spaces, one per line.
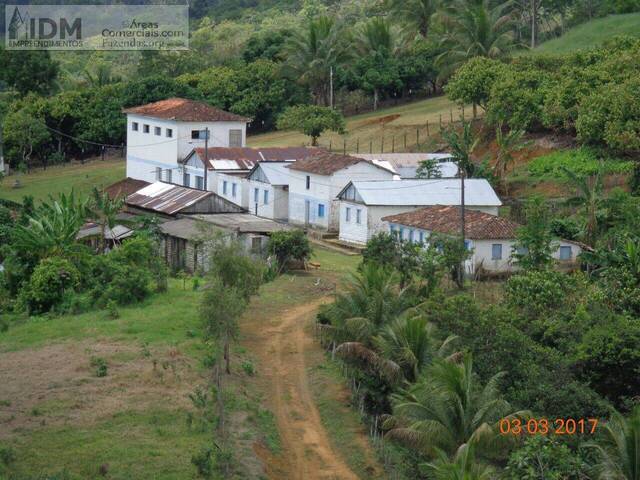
{"x":185,"y":110}
{"x":446,"y":219}
{"x":247,"y":157}
{"x":125,"y":187}
{"x":327,"y":163}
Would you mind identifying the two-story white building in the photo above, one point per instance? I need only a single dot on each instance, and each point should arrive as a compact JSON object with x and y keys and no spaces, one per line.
{"x":227,"y":168}
{"x":268,"y":186}
{"x":315,"y":182}
{"x":491,"y":239}
{"x":364,"y":204}
{"x":161,"y":134}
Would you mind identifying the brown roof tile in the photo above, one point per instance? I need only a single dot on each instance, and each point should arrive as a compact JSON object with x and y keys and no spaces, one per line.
{"x":247,"y":157}
{"x":446,"y":219}
{"x":125,"y":187}
{"x":185,"y":110}
{"x":326,"y":163}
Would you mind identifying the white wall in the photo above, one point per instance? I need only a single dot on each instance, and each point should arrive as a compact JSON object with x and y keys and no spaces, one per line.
{"x":323,"y":190}
{"x":148,"y":151}
{"x":241,"y":196}
{"x":277,"y":207}
{"x":351,"y":231}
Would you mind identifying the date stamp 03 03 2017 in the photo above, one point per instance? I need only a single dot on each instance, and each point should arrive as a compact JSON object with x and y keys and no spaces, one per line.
{"x":544,"y":426}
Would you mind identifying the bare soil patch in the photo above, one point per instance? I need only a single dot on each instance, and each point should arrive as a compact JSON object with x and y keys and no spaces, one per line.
{"x":281,"y":345}
{"x":57,"y":385}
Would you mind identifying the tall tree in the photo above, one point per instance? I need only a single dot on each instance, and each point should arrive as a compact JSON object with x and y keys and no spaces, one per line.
{"x":474,"y":28}
{"x":589,"y":196}
{"x":28,"y":70}
{"x":417,"y":13}
{"x":313,"y":52}
{"x":104,"y":211}
{"x":508,"y":143}
{"x":534,"y":241}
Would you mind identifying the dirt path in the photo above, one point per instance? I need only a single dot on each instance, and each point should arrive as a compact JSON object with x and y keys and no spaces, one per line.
{"x":307,"y":451}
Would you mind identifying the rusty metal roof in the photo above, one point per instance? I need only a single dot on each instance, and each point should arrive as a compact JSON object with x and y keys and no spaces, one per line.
{"x":166,"y":198}
{"x":185,"y":110}
{"x":124,"y":187}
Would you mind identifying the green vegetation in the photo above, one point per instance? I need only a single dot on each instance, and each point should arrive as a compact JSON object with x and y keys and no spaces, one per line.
{"x":582,"y":161}
{"x":591,"y":34}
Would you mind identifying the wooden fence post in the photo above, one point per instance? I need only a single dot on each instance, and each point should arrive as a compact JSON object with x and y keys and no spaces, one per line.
{"x":358,"y":145}
{"x":393,"y":144}
{"x":370,"y":146}
{"x":405,"y":141}
{"x":427,"y":129}
{"x":418,"y":136}
{"x":382,"y":145}
{"x":344,"y":146}
{"x":440,"y":122}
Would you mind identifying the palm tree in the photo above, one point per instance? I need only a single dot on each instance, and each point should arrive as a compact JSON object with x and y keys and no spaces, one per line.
{"x":312,"y":53}
{"x":416,"y":13}
{"x":618,"y":451}
{"x":508,"y":144}
{"x":447,"y":409}
{"x":474,"y":28}
{"x":104,"y":211}
{"x":410,"y":343}
{"x":380,"y":40}
{"x":462,"y":144}
{"x":53,"y":227}
{"x":463,"y":466}
{"x":589,"y":195}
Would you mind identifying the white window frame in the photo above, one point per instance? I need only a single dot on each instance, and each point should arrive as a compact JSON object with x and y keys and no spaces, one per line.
{"x":236,"y":135}
{"x":564,"y":248}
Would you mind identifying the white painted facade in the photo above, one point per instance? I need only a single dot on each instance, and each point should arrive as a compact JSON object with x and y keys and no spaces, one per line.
{"x":494,"y":256}
{"x":371,"y":223}
{"x":317,"y":206}
{"x":155,"y":146}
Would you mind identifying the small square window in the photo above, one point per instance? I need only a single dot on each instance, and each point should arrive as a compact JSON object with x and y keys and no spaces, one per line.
{"x":169,"y":133}
{"x":358,"y":216}
{"x":235,"y":138}
{"x":347,"y":215}
{"x":320,"y":210}
{"x":134,"y":126}
{"x":266,"y":197}
{"x":496,"y":251}
{"x":157,"y":131}
{"x":256,"y":195}
{"x":224,"y":187}
{"x":565,"y":253}
{"x":308,"y":182}
{"x":195,"y":134}
{"x":145,"y":128}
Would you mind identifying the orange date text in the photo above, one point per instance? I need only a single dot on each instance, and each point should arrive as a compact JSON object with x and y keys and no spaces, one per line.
{"x":544,"y":426}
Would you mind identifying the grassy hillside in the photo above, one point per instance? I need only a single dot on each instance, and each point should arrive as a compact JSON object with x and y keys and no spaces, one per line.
{"x":384,"y":129}
{"x":592,"y":34}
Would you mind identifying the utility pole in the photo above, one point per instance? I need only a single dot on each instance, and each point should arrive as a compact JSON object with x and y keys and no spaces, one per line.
{"x":462,"y":225}
{"x":206,"y":155}
{"x":331,"y":87}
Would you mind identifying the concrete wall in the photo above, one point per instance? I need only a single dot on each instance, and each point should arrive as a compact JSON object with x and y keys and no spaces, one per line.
{"x":323,"y":190}
{"x":241,"y":196}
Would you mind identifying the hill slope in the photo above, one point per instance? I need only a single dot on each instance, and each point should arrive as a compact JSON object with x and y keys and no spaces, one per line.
{"x":592,"y":34}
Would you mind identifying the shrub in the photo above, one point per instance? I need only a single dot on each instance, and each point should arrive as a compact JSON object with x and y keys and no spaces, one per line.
{"x":544,"y":457}
{"x":203,"y":462}
{"x":289,"y":245}
{"x":112,"y":310}
{"x":7,"y":455}
{"x":472,"y":83}
{"x":537,"y":292}
{"x":100,"y":366}
{"x":126,"y":284}
{"x":582,"y":161}
{"x":248,"y":368}
{"x":48,"y":283}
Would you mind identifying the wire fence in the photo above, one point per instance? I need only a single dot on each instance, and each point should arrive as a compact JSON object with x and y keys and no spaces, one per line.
{"x":396,"y":138}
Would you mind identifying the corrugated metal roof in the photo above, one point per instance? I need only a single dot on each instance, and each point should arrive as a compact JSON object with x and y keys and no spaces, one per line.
{"x":444,"y":191}
{"x":277,"y":173}
{"x":125,"y":187}
{"x":404,"y":159}
{"x":243,"y":222}
{"x":166,"y":198}
{"x":245,"y":158}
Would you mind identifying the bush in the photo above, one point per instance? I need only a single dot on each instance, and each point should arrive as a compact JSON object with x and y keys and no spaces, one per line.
{"x":48,"y":283}
{"x":204,"y":462}
{"x":582,"y":161}
{"x":100,"y":366}
{"x":289,"y":245}
{"x":544,"y":457}
{"x":537,"y":292}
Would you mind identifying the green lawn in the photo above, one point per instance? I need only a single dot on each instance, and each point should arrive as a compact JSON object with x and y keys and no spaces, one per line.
{"x":592,"y":34}
{"x":385,"y":128}
{"x":62,"y":178}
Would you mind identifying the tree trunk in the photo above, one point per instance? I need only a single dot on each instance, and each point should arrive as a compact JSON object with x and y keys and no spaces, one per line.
{"x":475,"y":110}
{"x":375,"y":99}
{"x":534,"y":22}
{"x":227,"y":360}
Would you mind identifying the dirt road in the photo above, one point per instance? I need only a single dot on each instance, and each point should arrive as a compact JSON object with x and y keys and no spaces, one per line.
{"x":280,"y":347}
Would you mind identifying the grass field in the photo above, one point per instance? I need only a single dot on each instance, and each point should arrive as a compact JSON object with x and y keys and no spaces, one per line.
{"x":592,"y":34}
{"x":57,"y":416}
{"x":62,"y":178}
{"x":382,"y":130}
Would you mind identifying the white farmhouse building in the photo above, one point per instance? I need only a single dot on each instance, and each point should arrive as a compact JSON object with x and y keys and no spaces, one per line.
{"x":316,"y":181}
{"x":161,"y":134}
{"x":268,"y":186}
{"x":227,"y":168}
{"x":406,"y":164}
{"x":364,"y":204}
{"x":491,"y":238}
